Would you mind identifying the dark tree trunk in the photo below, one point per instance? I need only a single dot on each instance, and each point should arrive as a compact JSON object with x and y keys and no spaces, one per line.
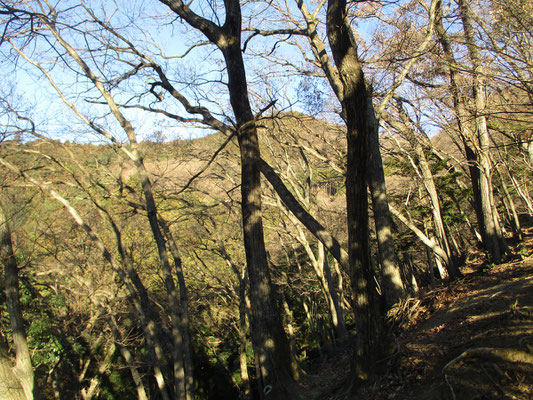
{"x":360,"y":122}
{"x":393,"y":286}
{"x":277,"y":376}
{"x":268,"y":336}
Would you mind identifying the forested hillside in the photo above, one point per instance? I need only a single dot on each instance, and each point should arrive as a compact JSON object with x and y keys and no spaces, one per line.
{"x":282,"y":200}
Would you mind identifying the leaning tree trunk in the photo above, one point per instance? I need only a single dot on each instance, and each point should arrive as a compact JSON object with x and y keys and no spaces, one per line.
{"x":317,"y":229}
{"x":510,"y":205}
{"x":10,"y":387}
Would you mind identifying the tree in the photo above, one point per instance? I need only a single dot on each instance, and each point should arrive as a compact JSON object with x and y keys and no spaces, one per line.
{"x":419,"y":142}
{"x":16,"y":382}
{"x":475,"y":138}
{"x":393,"y":286}
{"x":182,"y":385}
{"x":268,"y":336}
{"x":358,"y":113}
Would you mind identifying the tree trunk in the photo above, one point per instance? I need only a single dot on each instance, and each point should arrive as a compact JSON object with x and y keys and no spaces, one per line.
{"x":476,"y":146}
{"x":278,"y":377}
{"x":430,"y":243}
{"x":391,"y":279}
{"x":393,"y":286}
{"x":497,"y":245}
{"x":10,"y":386}
{"x":23,"y":370}
{"x":244,"y":313}
{"x":360,"y":122}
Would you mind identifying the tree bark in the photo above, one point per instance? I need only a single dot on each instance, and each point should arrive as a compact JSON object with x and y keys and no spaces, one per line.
{"x":361,"y":124}
{"x":268,"y":336}
{"x":23,"y":370}
{"x":392,"y":283}
{"x":496,"y":241}
{"x":341,"y":331}
{"x":10,"y":386}
{"x":510,"y":205}
{"x":271,"y":346}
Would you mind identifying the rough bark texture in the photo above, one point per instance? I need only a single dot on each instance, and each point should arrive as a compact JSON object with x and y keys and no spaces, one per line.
{"x":271,"y":347}
{"x":391,"y":278}
{"x":336,"y":309}
{"x":393,"y":286}
{"x":268,"y":336}
{"x":360,"y":122}
{"x":10,"y":387}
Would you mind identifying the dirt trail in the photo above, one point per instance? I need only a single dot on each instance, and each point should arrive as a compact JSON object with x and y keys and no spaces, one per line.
{"x":479,"y":345}
{"x":471,"y":340}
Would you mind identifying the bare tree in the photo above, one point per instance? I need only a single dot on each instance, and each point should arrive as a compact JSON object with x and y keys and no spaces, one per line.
{"x":271,"y":347}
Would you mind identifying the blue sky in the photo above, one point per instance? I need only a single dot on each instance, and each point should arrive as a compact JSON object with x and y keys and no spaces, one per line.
{"x":145,"y":23}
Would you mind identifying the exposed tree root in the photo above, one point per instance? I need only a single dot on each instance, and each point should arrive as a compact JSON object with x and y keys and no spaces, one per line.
{"x":509,"y":355}
{"x":493,"y":354}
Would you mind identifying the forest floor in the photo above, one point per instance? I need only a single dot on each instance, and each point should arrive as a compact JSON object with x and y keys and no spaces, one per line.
{"x":468,"y":339}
